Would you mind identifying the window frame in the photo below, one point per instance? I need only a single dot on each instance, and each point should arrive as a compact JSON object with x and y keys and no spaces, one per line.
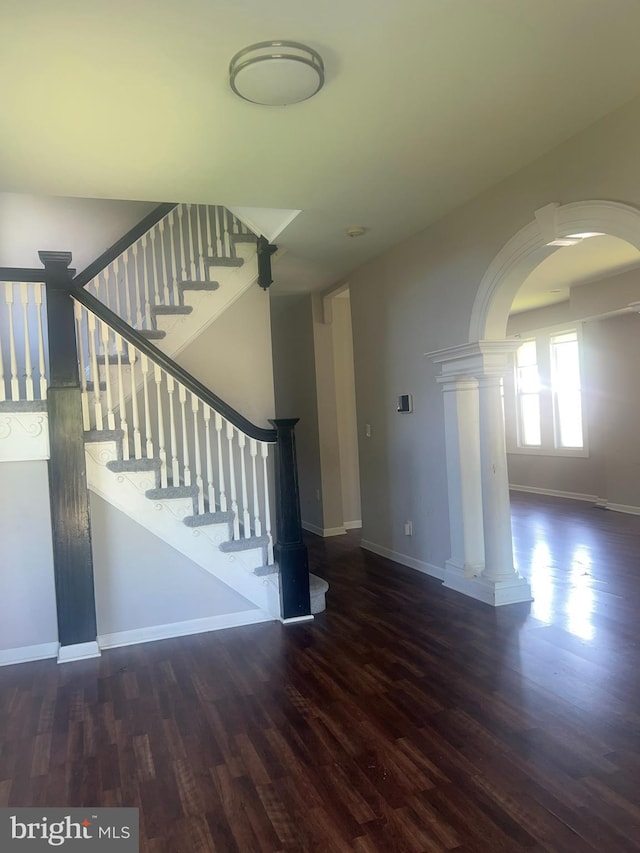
{"x":549,"y":429}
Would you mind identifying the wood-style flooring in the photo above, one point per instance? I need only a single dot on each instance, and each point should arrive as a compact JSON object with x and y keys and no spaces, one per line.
{"x":405,"y":718}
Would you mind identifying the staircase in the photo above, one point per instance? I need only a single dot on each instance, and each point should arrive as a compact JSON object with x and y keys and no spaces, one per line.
{"x":159,"y":446}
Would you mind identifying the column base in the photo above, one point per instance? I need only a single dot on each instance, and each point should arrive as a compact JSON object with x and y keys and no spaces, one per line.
{"x":496,"y":593}
{"x":78,"y":651}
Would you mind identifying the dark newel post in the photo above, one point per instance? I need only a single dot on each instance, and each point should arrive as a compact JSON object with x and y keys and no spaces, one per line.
{"x":72,"y":560}
{"x":290,"y":550}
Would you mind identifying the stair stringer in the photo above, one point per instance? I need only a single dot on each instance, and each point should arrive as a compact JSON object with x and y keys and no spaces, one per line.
{"x":164,"y":518}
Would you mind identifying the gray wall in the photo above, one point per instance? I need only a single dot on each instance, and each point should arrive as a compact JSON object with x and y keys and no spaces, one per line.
{"x":418,"y":296}
{"x":27,"y":590}
{"x":141,"y":581}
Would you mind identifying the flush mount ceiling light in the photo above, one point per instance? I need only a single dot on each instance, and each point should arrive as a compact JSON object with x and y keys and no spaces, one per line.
{"x":355,"y":231}
{"x":276,"y":73}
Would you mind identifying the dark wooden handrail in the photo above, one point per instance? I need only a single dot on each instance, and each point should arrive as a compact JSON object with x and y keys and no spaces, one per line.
{"x":21,"y":274}
{"x":83,"y":278}
{"x":167,"y":363}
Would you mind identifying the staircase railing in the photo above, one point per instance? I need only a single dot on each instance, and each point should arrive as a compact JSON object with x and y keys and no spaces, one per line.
{"x":23,"y":339}
{"x":170,"y":422}
{"x":151,"y":267}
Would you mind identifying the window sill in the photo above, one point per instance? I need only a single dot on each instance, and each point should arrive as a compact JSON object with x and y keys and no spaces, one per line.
{"x":566,"y":452}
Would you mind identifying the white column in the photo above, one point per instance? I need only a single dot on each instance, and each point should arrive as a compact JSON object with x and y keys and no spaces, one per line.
{"x":463,"y":467}
{"x":481,"y":562}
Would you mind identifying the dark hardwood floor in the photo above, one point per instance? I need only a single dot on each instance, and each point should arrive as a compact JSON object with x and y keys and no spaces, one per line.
{"x":405,"y":718}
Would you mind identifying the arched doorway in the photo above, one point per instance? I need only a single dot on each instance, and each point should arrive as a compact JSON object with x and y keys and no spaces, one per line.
{"x":481,"y":562}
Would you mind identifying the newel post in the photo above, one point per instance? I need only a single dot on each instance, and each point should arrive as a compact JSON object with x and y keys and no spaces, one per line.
{"x":70,"y":524}
{"x":290,"y":551}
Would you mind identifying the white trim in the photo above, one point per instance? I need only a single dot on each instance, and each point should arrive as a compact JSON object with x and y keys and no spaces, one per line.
{"x":323,"y":531}
{"x":24,"y":436}
{"x":78,"y":651}
{"x":496,"y":593}
{"x":404,"y":559}
{"x":555,"y":493}
{"x":24,"y":654}
{"x":626,"y":508}
{"x":353,"y":525}
{"x":293,"y":620}
{"x":182,"y":629}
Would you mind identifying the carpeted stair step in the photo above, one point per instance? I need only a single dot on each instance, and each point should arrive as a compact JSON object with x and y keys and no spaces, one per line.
{"x":208,"y":518}
{"x":244,"y":544}
{"x":91,"y":385}
{"x":152,"y":334}
{"x":198,"y":285}
{"x":113,"y":359}
{"x":170,"y":310}
{"x":172,"y":492}
{"x":123,"y":465}
{"x":317,"y":589}
{"x":215,"y":261}
{"x":104,"y":435}
{"x":244,"y":238}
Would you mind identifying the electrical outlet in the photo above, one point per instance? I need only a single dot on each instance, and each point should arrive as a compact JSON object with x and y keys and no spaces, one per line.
{"x":408,"y":528}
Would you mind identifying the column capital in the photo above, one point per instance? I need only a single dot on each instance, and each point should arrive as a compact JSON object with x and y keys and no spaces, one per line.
{"x":482,"y":358}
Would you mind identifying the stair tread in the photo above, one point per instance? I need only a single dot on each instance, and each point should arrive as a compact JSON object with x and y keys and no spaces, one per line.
{"x":208,"y":518}
{"x":103,"y":435}
{"x":172,"y":492}
{"x":164,"y":310}
{"x":152,"y":334}
{"x":215,"y":261}
{"x":134,"y":465}
{"x":199,"y":285}
{"x":243,"y":544}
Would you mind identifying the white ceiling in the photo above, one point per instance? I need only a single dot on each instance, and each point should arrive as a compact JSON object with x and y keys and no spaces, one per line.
{"x":426,"y":103}
{"x":551,"y":281}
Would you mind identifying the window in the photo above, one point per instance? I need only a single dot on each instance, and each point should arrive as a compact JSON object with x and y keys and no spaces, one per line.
{"x":548,"y":395}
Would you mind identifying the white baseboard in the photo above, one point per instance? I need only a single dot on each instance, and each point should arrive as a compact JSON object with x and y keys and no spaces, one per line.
{"x":182,"y":629}
{"x":295,"y":619}
{"x":602,"y":503}
{"x":404,"y":560}
{"x":630,"y":510}
{"x":78,"y":651}
{"x":323,"y":531}
{"x":353,"y":525}
{"x":555,"y":493}
{"x":24,"y":654}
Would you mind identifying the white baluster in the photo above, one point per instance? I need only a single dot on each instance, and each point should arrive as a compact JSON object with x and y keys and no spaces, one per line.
{"x":211,"y":492}
{"x":232,"y":483}
{"x":253,"y":452}
{"x":209,"y":242}
{"x":124,"y":426}
{"x":162,"y":453}
{"x":200,"y":242}
{"x":246,"y":520}
{"x":234,"y":225}
{"x":136,"y":273}
{"x":182,"y":395}
{"x":116,"y":276}
{"x":15,"y":385}
{"x":145,"y":278}
{"x":192,"y":253}
{"x":137,"y":438}
{"x":227,"y":237}
{"x":175,"y":465}
{"x":264,"y":450}
{"x":195,"y":408}
{"x":154,"y":266}
{"x":128,"y":288}
{"x":183,"y":256}
{"x":105,"y":334}
{"x":144,"y":364}
{"x":42,"y":368}
{"x":28,"y":368}
{"x":165,"y":277}
{"x":94,"y":374}
{"x":218,"y":232}
{"x":174,"y":266}
{"x":83,"y":348}
{"x":221,"y":484}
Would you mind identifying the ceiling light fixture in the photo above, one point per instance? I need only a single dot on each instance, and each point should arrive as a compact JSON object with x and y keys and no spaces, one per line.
{"x":355,"y":231}
{"x":276,"y":73}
